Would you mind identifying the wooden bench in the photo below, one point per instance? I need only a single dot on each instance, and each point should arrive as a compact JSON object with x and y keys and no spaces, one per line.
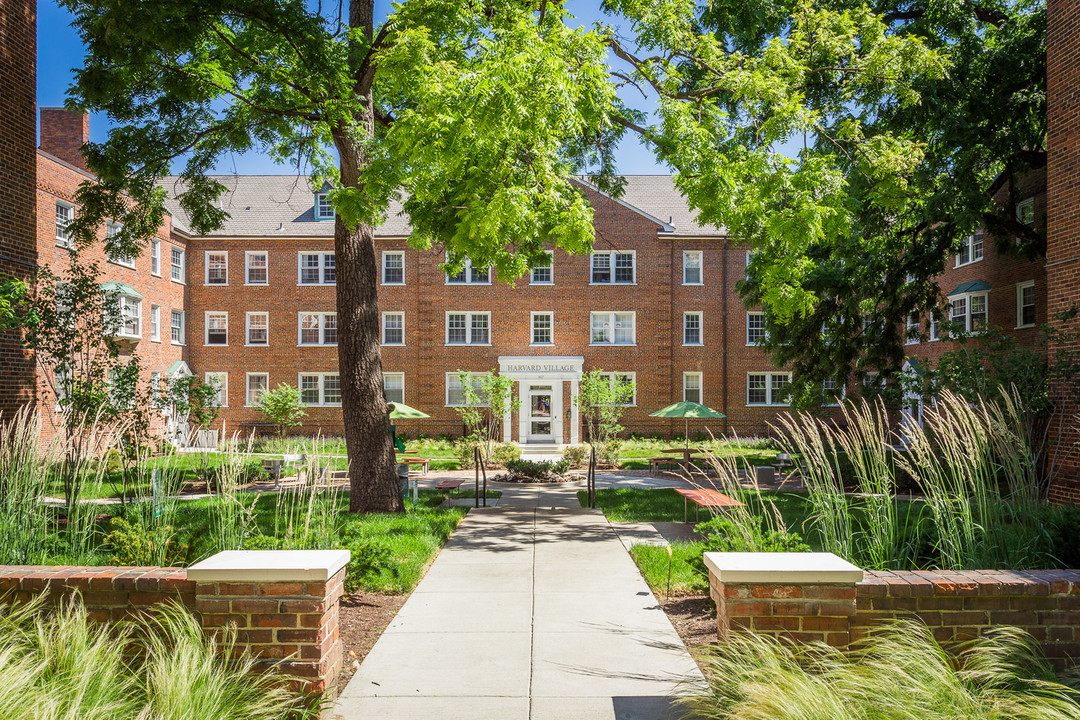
{"x":704,"y":498}
{"x":450,"y":484}
{"x":424,"y":463}
{"x":654,"y":463}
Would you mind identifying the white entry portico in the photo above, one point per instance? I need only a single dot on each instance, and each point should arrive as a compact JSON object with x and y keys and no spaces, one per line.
{"x":540,"y":387}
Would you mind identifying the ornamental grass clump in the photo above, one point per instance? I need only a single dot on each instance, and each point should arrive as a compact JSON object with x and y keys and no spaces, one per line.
{"x":899,"y":673}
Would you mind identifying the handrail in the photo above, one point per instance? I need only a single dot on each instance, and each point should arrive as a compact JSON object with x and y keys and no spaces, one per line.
{"x":478,"y":466}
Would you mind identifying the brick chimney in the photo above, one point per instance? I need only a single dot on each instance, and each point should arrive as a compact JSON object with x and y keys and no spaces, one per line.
{"x":63,"y":133}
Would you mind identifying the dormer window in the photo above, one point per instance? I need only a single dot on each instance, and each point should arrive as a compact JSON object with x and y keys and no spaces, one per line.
{"x":324,"y":209}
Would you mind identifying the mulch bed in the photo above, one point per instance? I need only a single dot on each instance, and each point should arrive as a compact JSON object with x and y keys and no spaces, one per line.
{"x":694,"y":618}
{"x":362,"y":617}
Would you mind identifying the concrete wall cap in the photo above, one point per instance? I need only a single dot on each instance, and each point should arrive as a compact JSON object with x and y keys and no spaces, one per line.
{"x":270,"y":566}
{"x":782,"y":568}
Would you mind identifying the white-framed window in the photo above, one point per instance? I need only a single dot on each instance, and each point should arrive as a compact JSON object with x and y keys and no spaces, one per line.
{"x":935,"y":327}
{"x":112,"y":229}
{"x":691,"y":329}
{"x":832,"y":394}
{"x":769,"y":388}
{"x":971,"y":250}
{"x":468,"y":328}
{"x":155,"y":389}
{"x":258,"y":328}
{"x":968,"y":312}
{"x":316,"y":268}
{"x":691,"y":387}
{"x":177,"y":271}
{"x":393,"y":267}
{"x":220,"y":382}
{"x":155,"y":257}
{"x":544,"y":274}
{"x":324,"y":209}
{"x":65,"y":213}
{"x":625,"y":378}
{"x":130,"y":316}
{"x":755,"y":328}
{"x":469,"y":275}
{"x":176,"y":327}
{"x":911,"y":332}
{"x":155,"y":323}
{"x":543,"y":328}
{"x":320,"y":388}
{"x":1025,"y":304}
{"x":256,"y":267}
{"x":612,"y":328}
{"x":455,"y":391}
{"x":614,"y":267}
{"x":317,"y":328}
{"x":217,"y":327}
{"x":393,"y":328}
{"x":1025,"y":212}
{"x":257,"y":385}
{"x":217,"y":267}
{"x":692,"y":267}
{"x":394,"y":387}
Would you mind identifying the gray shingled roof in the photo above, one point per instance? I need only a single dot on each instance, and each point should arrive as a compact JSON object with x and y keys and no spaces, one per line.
{"x":283,"y":205}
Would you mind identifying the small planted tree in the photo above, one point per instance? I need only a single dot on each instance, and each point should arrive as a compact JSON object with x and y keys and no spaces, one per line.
{"x":487,"y":399}
{"x":602,"y":398}
{"x":193,"y":401}
{"x":283,"y":407}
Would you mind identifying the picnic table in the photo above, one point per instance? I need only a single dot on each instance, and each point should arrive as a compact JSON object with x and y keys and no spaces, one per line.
{"x":686,"y":452}
{"x":704,"y":498}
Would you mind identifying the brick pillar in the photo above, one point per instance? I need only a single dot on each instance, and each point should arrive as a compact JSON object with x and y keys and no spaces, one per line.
{"x":284,"y":604}
{"x":801,"y":596}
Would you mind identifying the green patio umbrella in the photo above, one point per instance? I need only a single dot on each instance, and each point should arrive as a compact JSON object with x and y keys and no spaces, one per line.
{"x":687,"y":410}
{"x":401,"y":411}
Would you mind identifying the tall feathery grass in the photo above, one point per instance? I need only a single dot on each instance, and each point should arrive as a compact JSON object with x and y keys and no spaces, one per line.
{"x":308,"y":514}
{"x":232,"y":514}
{"x":58,"y":665}
{"x":900,"y":672}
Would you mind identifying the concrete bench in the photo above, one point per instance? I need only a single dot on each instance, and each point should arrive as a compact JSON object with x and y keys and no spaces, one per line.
{"x":450,"y":484}
{"x":704,"y":498}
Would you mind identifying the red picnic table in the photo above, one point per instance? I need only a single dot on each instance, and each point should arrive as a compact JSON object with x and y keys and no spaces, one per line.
{"x":704,"y":498}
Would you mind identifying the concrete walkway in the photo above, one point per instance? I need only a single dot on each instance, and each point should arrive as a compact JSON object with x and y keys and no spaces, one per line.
{"x":532,"y":611}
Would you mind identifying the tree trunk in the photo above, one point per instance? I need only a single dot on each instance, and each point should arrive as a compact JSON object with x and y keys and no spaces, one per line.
{"x":372,"y":469}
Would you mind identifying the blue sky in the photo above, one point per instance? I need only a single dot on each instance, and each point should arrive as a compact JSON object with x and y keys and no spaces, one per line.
{"x":60,"y":50}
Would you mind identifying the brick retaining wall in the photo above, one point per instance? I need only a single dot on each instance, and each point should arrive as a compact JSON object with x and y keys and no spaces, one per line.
{"x":286,"y":616}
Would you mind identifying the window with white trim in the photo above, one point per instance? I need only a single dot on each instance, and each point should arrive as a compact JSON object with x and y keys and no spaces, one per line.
{"x":130,"y":316}
{"x":691,"y":330}
{"x":832,"y":393}
{"x":755,"y":328}
{"x":155,"y":323}
{"x":217,"y":328}
{"x":176,"y":327}
{"x":472,"y":328}
{"x":691,"y":387}
{"x":614,"y":267}
{"x":612,"y":328}
{"x":217,"y":267}
{"x":542,"y":328}
{"x":935,"y":327}
{"x":258,"y":328}
{"x":155,"y":257}
{"x":971,"y":250}
{"x":767,"y":388}
{"x":257,"y":385}
{"x":691,"y":267}
{"x":968,"y":312}
{"x":176,"y":265}
{"x":393,"y":267}
{"x":220,"y":382}
{"x":256,"y":267}
{"x":1025,"y":304}
{"x":324,"y":209}
{"x":112,"y":229}
{"x":318,"y":328}
{"x":65,"y":213}
{"x":625,"y":378}
{"x":317,"y":268}
{"x":455,"y":391}
{"x":544,"y":274}
{"x":320,"y":389}
{"x":393,"y":328}
{"x":1025,"y":212}
{"x":156,"y":399}
{"x":469,"y":275}
{"x":394,"y":387}
{"x":911,"y":332}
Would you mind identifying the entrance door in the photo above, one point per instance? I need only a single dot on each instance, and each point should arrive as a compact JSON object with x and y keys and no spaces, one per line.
{"x":540,"y":429}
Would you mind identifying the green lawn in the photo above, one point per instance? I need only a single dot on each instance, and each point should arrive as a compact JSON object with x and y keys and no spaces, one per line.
{"x":683,"y":563}
{"x":666,"y":505}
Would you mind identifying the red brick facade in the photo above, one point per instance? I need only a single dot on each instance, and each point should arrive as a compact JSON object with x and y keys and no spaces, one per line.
{"x":1063,"y":220}
{"x":18,"y":126}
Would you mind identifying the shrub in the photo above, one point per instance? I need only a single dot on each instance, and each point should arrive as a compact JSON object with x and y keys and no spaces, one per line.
{"x":504,"y":453}
{"x":251,"y":471}
{"x":283,"y":407}
{"x":500,"y":454}
{"x":539,"y":470}
{"x":576,"y":455}
{"x":132,"y":543}
{"x":722,"y":535}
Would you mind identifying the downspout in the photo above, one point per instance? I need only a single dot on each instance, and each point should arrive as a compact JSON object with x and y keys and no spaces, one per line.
{"x":671,"y":324}
{"x":724,"y":334}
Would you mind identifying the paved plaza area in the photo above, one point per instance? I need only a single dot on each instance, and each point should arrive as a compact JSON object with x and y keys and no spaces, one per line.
{"x":532,"y":611}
